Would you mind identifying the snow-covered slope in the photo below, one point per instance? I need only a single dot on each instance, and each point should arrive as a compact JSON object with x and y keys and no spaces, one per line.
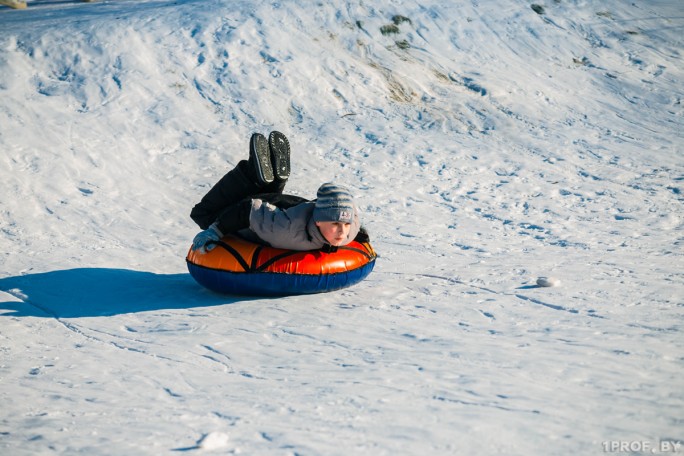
{"x":488,"y":143}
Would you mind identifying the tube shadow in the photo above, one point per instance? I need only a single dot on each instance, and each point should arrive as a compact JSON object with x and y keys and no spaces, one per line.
{"x":90,"y":292}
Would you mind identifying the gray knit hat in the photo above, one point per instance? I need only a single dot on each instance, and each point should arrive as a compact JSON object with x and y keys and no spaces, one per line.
{"x":334,"y":203}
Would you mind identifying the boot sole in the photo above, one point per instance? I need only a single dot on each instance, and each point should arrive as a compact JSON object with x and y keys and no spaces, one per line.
{"x":280,"y":154}
{"x":261,"y":157}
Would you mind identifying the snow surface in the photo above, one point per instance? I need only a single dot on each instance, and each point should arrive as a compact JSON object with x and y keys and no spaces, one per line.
{"x":489,"y":143}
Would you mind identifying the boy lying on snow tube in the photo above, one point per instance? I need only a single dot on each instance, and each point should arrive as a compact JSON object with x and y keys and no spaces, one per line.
{"x":249,"y":201}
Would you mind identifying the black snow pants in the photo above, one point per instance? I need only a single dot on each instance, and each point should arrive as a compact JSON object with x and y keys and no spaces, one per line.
{"x":230,"y":200}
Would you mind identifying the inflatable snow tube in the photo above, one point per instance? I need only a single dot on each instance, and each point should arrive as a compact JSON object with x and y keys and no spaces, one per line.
{"x":237,"y":266}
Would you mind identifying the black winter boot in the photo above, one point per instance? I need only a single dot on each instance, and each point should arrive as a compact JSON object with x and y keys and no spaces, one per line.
{"x":260,"y":159}
{"x":280,"y":155}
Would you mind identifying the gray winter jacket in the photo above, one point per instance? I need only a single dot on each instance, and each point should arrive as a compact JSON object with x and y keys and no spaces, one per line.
{"x":292,"y":228}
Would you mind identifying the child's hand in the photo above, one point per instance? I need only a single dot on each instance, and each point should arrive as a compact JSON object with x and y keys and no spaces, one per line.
{"x":362,"y":236}
{"x":203,"y":237}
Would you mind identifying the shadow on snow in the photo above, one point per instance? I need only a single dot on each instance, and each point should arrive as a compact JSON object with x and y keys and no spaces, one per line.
{"x":90,"y":292}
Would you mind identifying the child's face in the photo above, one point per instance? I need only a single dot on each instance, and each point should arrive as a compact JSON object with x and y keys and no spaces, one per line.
{"x":334,"y":232}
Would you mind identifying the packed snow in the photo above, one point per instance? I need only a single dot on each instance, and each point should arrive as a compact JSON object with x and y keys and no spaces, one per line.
{"x":495,"y":148}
